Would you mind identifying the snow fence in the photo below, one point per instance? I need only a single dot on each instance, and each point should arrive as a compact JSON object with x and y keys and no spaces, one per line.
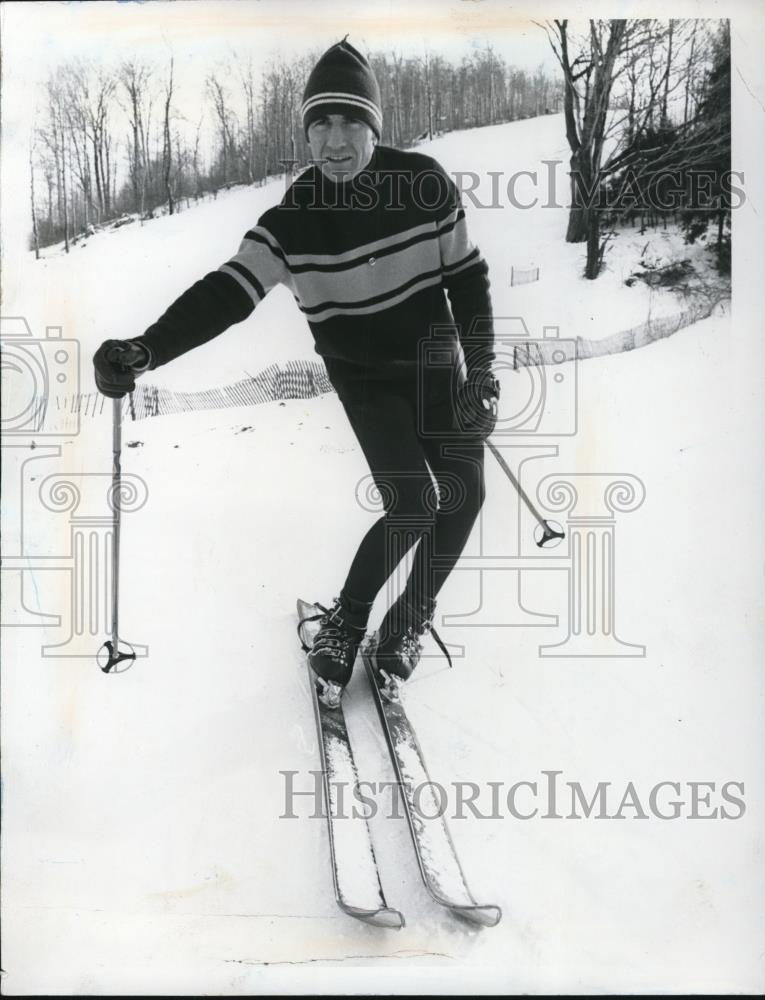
{"x":294,"y":380}
{"x":305,"y":379}
{"x":528,"y":354}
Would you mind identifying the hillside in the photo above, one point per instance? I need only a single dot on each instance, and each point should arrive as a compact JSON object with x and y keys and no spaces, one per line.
{"x":125,"y":279}
{"x":152,"y":838}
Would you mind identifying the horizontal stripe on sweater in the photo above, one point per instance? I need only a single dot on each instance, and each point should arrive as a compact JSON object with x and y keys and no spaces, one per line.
{"x":245,"y":278}
{"x":298,"y":263}
{"x":375,"y":303}
{"x":371,"y":277}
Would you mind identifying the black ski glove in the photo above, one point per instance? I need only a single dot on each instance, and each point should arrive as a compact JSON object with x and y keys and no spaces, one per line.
{"x":477,"y":403}
{"x":116,"y":364}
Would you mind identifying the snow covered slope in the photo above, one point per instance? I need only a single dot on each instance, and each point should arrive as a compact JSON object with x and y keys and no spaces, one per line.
{"x":117,"y":283}
{"x":143,"y":839}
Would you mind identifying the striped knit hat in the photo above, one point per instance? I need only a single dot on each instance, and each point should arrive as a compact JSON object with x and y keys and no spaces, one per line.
{"x":342,"y":82}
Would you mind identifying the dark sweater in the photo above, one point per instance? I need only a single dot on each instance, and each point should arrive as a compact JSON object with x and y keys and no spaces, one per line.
{"x":368,"y":262}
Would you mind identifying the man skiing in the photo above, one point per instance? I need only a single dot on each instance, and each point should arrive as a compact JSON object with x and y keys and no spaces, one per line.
{"x":368,"y":239}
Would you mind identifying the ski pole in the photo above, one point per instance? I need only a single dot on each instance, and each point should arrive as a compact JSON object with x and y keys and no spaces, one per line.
{"x":114,"y":656}
{"x":548,"y":532}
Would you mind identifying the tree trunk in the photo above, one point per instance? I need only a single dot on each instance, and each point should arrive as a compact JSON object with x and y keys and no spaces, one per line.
{"x":63,"y":190}
{"x":49,"y":183}
{"x":579,"y":216}
{"x":32,"y":199}
{"x":592,"y":268}
{"x":720,"y":230}
{"x":107,"y":173}
{"x":97,"y":173}
{"x":665,"y":98}
{"x":167,"y":147}
{"x":689,"y":76}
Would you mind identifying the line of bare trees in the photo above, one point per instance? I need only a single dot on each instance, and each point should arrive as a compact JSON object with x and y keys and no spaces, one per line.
{"x":128,"y":141}
{"x":641,"y":98}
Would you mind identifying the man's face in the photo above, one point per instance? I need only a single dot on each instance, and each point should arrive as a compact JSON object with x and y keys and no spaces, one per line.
{"x":342,"y":145}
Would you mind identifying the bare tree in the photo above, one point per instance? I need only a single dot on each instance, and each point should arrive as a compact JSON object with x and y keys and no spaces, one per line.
{"x":90,"y":91}
{"x":226,"y":122}
{"x":55,"y":137}
{"x":195,"y":165}
{"x":641,"y":143}
{"x":665,"y":99}
{"x":36,"y":241}
{"x":248,"y":141}
{"x":396,"y":129}
{"x":588,"y":79}
{"x":77,"y":127}
{"x":591,"y":66}
{"x":167,"y":145}
{"x":91,"y":172}
{"x":135,"y":78}
{"x":425,"y":62}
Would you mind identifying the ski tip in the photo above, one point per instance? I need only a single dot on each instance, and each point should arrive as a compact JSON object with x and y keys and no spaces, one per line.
{"x":386,"y":916}
{"x":390,"y":918}
{"x":487,"y":915}
{"x":304,"y":607}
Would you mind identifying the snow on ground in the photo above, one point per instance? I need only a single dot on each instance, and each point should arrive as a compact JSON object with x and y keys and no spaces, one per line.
{"x":143,"y":847}
{"x":142,"y":820}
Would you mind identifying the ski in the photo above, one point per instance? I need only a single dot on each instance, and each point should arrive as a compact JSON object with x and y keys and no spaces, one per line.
{"x":355,"y":876}
{"x":436,"y":855}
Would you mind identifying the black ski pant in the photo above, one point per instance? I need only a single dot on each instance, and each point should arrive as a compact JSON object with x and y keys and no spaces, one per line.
{"x":427,"y":473}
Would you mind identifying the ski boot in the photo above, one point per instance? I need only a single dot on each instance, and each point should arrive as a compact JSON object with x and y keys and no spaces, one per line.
{"x":333,"y":651}
{"x":399,"y":645}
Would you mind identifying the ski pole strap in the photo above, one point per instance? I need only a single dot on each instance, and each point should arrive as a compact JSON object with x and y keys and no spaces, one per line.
{"x":441,"y":645}
{"x":310,"y":618}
